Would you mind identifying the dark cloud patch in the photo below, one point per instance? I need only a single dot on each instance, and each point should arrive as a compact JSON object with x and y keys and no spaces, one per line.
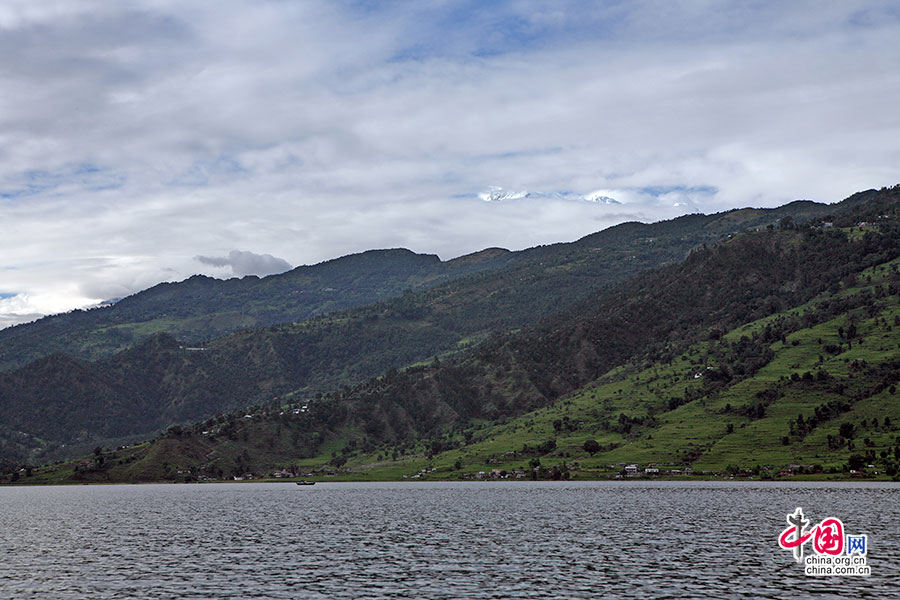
{"x":248,"y":263}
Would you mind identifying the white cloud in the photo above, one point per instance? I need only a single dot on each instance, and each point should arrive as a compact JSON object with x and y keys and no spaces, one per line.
{"x":135,"y":136}
{"x":244,"y":263}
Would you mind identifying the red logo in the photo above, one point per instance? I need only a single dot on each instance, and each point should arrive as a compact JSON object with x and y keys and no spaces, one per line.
{"x":827,"y":536}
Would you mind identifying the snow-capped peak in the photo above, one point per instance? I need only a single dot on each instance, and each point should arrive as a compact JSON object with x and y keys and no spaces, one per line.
{"x":498,"y":194}
{"x":600,"y":198}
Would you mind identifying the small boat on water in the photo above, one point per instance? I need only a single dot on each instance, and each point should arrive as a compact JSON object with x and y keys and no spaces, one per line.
{"x":304,"y":482}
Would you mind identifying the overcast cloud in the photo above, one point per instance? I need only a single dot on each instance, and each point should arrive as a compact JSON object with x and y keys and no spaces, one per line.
{"x":247,"y":263}
{"x":138,"y":136}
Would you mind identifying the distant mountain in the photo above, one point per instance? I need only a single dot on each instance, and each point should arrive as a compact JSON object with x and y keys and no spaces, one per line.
{"x":497,"y":194}
{"x":163,"y":381}
{"x":202,"y":308}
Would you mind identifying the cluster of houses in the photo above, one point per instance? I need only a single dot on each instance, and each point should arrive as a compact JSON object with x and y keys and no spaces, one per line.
{"x":830,"y":225}
{"x":651,"y":470}
{"x":421,"y":472}
{"x":794,"y":469}
{"x":492,"y":474}
{"x":281,"y":474}
{"x":498,"y":474}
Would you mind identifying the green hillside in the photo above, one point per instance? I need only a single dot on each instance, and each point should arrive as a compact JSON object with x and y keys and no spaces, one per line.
{"x":813,"y":387}
{"x":769,"y":352}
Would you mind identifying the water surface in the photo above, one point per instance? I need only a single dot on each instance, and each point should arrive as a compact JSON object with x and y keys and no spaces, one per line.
{"x":434,"y":540}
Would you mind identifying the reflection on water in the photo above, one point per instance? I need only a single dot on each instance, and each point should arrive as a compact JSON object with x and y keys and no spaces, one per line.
{"x":434,"y":540}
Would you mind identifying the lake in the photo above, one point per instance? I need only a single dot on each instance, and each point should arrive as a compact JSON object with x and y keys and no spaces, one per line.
{"x":435,"y":540}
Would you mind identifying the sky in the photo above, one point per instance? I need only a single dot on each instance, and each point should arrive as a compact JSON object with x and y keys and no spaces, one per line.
{"x":149,"y":140}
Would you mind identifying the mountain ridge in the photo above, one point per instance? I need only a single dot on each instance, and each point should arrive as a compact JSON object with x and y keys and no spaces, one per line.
{"x":201,"y":307}
{"x":343,"y":348}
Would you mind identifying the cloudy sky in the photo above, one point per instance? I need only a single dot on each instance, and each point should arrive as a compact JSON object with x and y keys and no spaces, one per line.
{"x":148,"y":140}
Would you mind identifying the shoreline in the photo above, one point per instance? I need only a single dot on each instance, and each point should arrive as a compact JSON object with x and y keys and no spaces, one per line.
{"x":350,"y":479}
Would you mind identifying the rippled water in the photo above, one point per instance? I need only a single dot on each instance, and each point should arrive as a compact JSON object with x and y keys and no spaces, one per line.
{"x":434,"y":540}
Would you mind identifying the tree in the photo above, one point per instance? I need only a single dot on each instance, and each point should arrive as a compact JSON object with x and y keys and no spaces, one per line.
{"x":591,"y":447}
{"x":856,"y":461}
{"x":847,"y":430}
